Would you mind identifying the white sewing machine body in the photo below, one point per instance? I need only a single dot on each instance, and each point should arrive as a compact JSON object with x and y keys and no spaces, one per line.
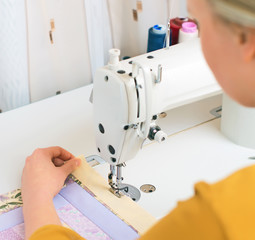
{"x":195,"y":149}
{"x":128,"y":96}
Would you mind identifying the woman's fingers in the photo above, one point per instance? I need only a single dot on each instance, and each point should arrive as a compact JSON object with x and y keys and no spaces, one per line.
{"x":58,"y":162}
{"x":58,"y":152}
{"x":71,"y":165}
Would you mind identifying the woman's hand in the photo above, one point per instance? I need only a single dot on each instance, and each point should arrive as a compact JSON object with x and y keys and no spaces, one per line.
{"x":43,"y":177}
{"x":45,"y":172}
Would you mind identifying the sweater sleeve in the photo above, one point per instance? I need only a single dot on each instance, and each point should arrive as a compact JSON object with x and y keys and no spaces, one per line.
{"x":224,"y":210}
{"x":192,"y":219}
{"x":54,"y":232}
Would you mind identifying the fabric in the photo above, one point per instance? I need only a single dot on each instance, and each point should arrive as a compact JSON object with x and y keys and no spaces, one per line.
{"x":125,"y":208}
{"x":11,"y":213}
{"x":77,"y":208}
{"x":81,"y":224}
{"x":94,"y":211}
{"x":220,"y":211}
{"x":10,"y":201}
{"x":224,"y":210}
{"x":14,"y":233}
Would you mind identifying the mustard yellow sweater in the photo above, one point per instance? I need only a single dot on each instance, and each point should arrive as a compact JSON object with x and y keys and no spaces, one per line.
{"x":225,"y":210}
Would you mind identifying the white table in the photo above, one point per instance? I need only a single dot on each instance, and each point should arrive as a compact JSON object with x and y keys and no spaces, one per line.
{"x":199,"y":153}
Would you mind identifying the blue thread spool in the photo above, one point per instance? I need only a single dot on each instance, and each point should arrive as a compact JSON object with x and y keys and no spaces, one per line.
{"x":157,"y":38}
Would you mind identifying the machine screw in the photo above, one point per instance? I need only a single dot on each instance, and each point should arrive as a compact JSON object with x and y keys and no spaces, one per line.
{"x":111,"y":149}
{"x":148,"y":188}
{"x":155,"y":117}
{"x":163,"y":115}
{"x":101,"y":128}
{"x":121,"y":72}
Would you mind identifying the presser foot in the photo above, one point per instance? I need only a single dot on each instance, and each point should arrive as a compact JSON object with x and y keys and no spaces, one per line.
{"x":116,"y":192}
{"x":130,"y":191}
{"x":114,"y":189}
{"x":126,"y":189}
{"x":120,"y":189}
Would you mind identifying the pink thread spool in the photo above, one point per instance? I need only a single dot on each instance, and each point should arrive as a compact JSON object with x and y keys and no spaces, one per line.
{"x":188,"y":32}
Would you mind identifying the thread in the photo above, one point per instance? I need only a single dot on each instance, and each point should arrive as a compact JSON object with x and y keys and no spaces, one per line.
{"x":156,"y":39}
{"x":188,"y":32}
{"x":176,"y":25}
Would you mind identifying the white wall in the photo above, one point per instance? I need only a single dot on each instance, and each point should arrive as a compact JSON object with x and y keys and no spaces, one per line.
{"x":177,"y":8}
{"x":183,"y":8}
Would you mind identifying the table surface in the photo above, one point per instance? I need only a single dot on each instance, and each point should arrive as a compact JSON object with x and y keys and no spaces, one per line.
{"x":199,"y":153}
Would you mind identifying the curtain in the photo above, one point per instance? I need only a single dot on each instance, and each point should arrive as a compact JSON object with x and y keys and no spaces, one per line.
{"x":14,"y":90}
{"x":99,"y":32}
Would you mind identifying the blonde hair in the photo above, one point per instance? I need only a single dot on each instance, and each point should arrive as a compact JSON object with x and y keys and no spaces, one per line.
{"x":241,"y":12}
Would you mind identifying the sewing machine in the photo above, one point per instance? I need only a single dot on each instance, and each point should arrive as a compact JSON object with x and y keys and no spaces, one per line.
{"x":129,"y":96}
{"x":195,"y":149}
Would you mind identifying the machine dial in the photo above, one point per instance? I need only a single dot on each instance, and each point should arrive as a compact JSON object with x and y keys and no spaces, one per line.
{"x":157,"y":134}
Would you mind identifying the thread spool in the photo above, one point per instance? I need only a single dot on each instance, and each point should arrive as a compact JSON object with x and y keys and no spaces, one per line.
{"x":176,"y":25}
{"x":188,"y":32}
{"x":156,"y":39}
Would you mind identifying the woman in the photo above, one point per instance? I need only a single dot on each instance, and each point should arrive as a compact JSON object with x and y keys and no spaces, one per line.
{"x":224,"y":210}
